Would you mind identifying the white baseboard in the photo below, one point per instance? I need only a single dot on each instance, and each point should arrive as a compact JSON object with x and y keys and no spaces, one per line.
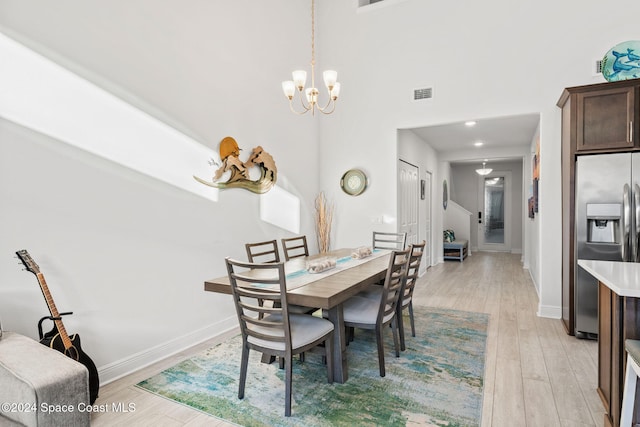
{"x":135,"y":362}
{"x":535,"y":284}
{"x":552,"y":312}
{"x":516,"y":251}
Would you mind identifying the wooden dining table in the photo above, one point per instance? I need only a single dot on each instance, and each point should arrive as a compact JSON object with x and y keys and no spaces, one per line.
{"x":327,"y":291}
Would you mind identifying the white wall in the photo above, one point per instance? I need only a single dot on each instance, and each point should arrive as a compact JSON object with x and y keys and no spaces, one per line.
{"x":482,"y":60}
{"x":464,"y":190}
{"x":459,"y":220}
{"x":533,"y":254}
{"x":117,"y":247}
{"x":127,"y":253}
{"x":414,"y":150}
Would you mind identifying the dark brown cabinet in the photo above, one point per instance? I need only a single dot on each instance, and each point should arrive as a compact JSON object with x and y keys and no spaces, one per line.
{"x":599,"y":118}
{"x":596,"y":119}
{"x":604,"y":119}
{"x":619,"y":319}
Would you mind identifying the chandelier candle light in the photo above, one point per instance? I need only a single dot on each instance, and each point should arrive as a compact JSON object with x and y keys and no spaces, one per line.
{"x":484,"y":170}
{"x":300,"y":78}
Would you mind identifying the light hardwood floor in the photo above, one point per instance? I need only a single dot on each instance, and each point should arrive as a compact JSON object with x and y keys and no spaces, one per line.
{"x":535,"y":374}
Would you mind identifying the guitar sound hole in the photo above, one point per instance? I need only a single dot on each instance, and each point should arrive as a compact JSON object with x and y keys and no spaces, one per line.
{"x":72,"y":353}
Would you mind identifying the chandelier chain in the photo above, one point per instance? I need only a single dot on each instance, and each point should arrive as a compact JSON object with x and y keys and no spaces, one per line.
{"x":313,"y":33}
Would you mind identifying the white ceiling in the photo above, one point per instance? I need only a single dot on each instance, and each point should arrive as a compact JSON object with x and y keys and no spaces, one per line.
{"x":495,"y":133}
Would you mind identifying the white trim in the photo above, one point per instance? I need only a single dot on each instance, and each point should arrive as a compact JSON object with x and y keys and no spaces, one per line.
{"x":549,"y":311}
{"x":535,"y":284}
{"x":137,"y":361}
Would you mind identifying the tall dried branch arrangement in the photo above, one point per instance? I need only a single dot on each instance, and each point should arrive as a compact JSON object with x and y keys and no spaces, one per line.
{"x":324,"y":219}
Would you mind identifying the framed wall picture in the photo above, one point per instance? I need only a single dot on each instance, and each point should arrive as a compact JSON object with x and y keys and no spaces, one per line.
{"x":535,"y":195}
{"x":445,"y":194}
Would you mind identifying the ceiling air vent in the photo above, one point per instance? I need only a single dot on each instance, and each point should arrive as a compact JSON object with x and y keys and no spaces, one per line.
{"x":422,"y":93}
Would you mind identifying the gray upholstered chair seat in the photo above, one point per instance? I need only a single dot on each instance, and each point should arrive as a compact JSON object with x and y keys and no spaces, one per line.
{"x":630,"y":381}
{"x":375,"y":292}
{"x":305,"y":329}
{"x":363,"y":310}
{"x":376,"y":313}
{"x":633,"y":348}
{"x":372,"y":292}
{"x":300,"y":309}
{"x":269,"y":327}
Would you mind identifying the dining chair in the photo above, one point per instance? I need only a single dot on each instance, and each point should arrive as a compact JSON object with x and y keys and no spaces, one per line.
{"x":271,"y":329}
{"x":267,"y":252}
{"x":368,"y":313}
{"x":405,"y":301}
{"x":263,"y":252}
{"x":393,"y":241}
{"x":406,"y":297}
{"x":632,"y":348}
{"x":295,"y":247}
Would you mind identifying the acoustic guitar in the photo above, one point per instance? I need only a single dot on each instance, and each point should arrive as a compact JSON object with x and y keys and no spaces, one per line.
{"x":58,"y":338}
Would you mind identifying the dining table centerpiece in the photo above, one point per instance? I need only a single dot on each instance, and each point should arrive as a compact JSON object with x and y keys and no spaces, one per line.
{"x":323,"y":219}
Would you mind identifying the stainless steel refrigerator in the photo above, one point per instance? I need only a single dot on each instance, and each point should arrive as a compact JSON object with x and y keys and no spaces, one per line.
{"x":607,"y":224}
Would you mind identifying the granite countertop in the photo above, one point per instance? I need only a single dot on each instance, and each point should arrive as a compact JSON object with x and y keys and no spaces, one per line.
{"x":623,"y":278}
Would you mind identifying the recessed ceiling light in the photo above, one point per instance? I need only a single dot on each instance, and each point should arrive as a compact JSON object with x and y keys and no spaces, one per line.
{"x":470,"y":123}
{"x":478,"y":143}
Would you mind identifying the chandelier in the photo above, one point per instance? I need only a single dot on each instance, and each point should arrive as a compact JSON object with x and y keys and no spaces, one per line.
{"x":484,"y":170}
{"x":311,"y":94}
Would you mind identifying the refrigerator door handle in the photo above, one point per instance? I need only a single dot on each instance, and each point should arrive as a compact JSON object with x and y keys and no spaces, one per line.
{"x":636,"y":238}
{"x":626,"y":226}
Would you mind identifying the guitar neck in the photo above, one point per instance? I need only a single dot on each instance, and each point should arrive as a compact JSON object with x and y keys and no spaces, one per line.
{"x":54,"y":311}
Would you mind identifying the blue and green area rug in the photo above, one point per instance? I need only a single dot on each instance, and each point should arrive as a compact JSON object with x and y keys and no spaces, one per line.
{"x":437,"y":381}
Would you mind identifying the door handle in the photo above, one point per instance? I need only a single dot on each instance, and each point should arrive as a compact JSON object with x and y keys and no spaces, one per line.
{"x":479,"y":217}
{"x":635,"y":253}
{"x":626,"y":226}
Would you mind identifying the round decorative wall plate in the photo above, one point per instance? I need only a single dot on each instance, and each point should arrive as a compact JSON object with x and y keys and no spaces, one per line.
{"x":622,"y":62}
{"x":353,"y":182}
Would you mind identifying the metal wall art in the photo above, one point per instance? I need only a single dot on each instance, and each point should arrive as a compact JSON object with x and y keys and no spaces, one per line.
{"x":239,"y":171}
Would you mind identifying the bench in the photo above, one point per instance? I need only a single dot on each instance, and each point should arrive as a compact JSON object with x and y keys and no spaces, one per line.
{"x":41,"y":385}
{"x":455,"y":250}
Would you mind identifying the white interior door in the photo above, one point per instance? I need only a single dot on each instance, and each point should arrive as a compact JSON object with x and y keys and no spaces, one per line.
{"x":426,"y":261}
{"x":494,"y":197}
{"x":409,"y":195}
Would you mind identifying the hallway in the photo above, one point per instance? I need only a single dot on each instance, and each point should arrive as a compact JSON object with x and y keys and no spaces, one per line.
{"x":535,"y":374}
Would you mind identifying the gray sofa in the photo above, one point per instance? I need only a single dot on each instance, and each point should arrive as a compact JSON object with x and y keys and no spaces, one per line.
{"x":40,"y":386}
